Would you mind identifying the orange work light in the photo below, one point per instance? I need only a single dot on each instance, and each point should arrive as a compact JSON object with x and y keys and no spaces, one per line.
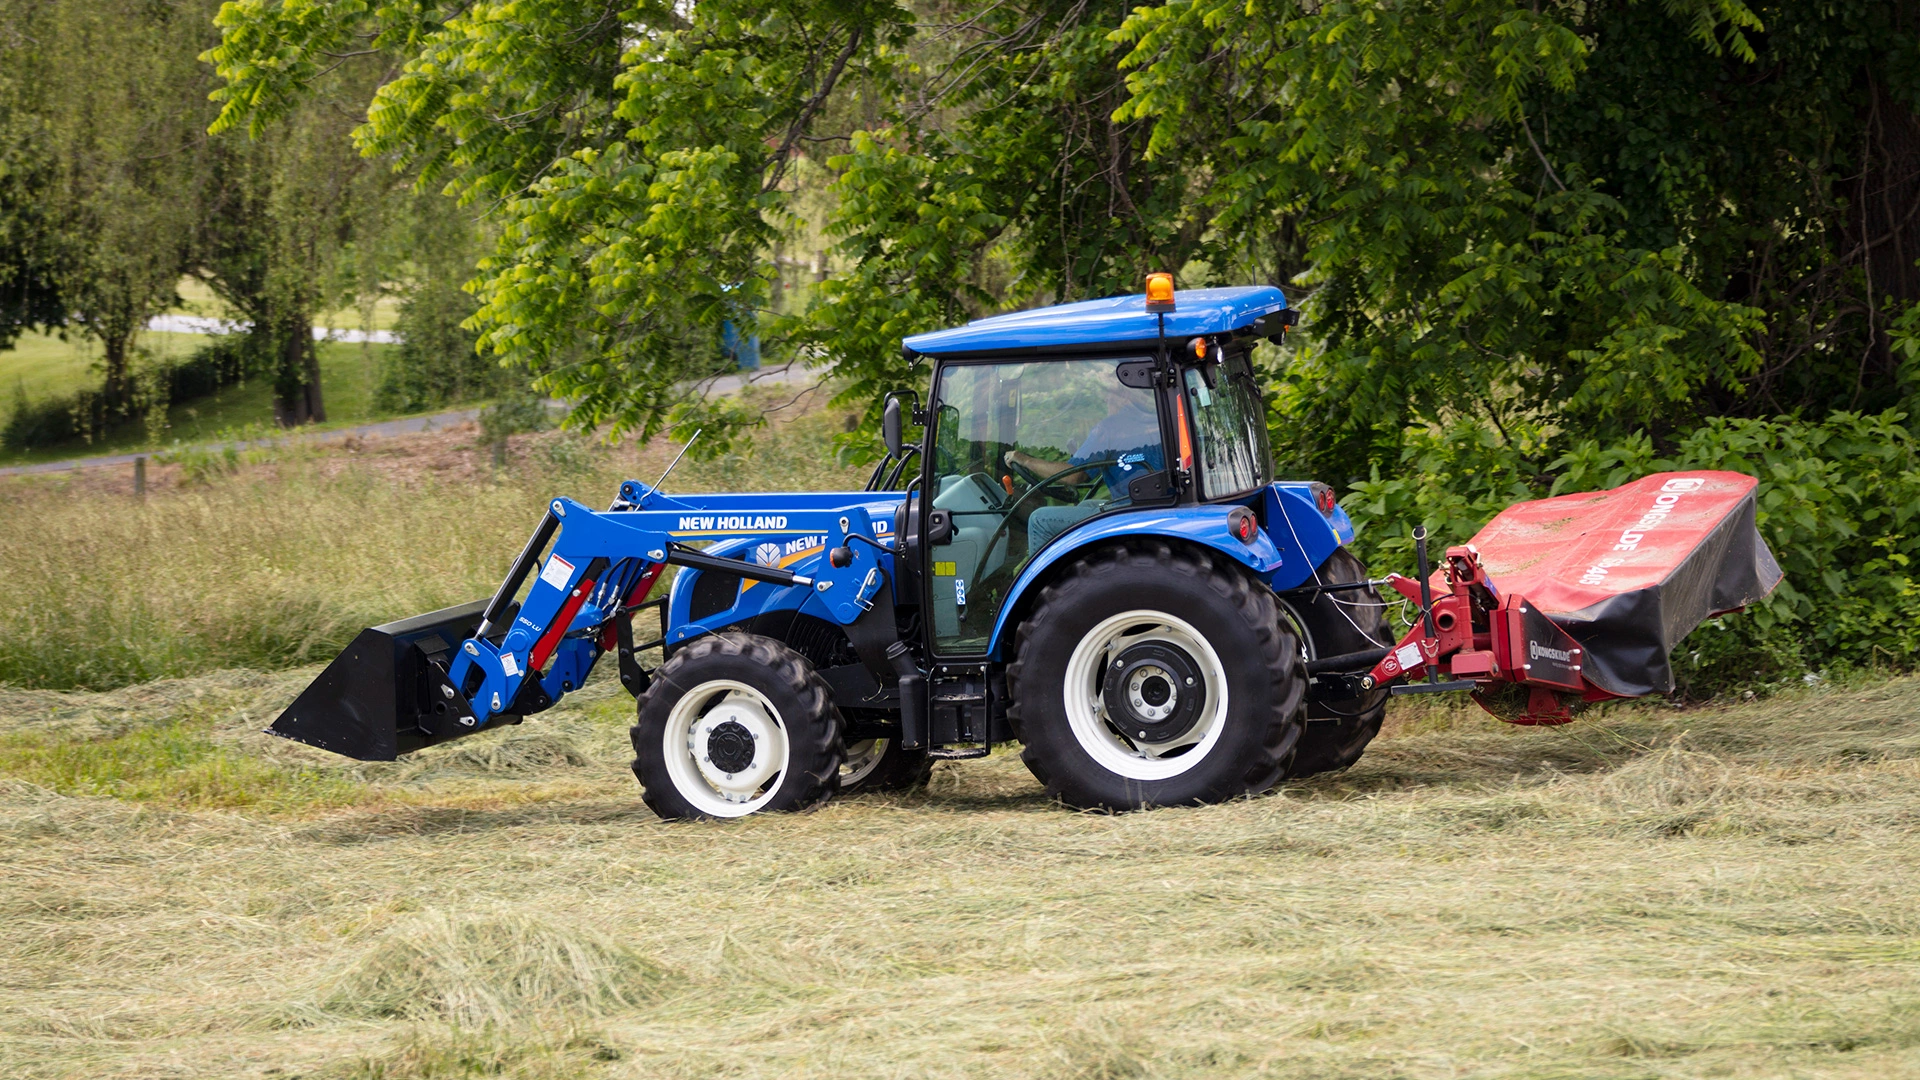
{"x":1159,"y":292}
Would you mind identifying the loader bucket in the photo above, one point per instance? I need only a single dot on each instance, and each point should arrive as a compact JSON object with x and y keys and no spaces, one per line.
{"x":387,"y":693}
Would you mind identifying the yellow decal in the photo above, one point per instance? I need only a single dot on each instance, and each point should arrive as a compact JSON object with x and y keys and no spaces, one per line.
{"x":944,"y":569}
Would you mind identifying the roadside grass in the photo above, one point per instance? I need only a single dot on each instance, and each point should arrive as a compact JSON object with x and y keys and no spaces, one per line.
{"x":1649,"y":892}
{"x":280,"y":557}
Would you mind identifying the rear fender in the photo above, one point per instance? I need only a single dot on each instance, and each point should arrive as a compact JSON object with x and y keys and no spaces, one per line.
{"x":1304,"y":535}
{"x":1205,"y":526}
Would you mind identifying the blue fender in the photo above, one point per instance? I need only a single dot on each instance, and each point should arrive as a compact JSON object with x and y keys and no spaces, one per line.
{"x":805,"y":554}
{"x":1203,"y":525}
{"x":1298,"y":538}
{"x":1304,"y":535}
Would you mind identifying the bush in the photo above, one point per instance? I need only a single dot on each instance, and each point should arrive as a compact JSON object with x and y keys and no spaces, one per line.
{"x":436,"y":363}
{"x":1838,"y":501}
{"x":222,"y":362}
{"x":33,"y":424}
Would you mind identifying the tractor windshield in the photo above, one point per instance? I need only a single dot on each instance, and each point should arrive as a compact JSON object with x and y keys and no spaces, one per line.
{"x":1021,"y":453}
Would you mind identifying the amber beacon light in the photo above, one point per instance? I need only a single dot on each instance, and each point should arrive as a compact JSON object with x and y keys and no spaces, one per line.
{"x":1160,"y":292}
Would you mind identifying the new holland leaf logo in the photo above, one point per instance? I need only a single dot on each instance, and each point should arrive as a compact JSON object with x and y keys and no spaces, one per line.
{"x":767,"y":554}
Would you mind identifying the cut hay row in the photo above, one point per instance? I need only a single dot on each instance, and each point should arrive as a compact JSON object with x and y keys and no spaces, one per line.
{"x":1649,"y":892}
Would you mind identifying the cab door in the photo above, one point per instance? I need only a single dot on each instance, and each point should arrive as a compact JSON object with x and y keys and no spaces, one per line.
{"x":1020,"y":452}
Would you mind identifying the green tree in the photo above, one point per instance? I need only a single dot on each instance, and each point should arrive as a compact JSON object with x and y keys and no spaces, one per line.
{"x":1586,"y":220}
{"x":279,"y":212}
{"x":117,"y":101}
{"x":29,"y":296}
{"x":434,"y":249}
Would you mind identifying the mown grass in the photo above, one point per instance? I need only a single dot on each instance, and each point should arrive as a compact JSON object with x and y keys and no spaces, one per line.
{"x":173,"y":763}
{"x":283,"y":561}
{"x":1646,"y":893}
{"x":1649,"y":892}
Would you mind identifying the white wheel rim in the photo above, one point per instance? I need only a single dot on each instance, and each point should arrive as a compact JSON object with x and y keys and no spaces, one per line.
{"x":861,"y":759}
{"x":709,"y":787}
{"x":1087,"y":711}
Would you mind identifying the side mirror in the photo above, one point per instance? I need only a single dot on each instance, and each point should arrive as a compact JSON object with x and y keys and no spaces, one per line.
{"x":890,"y":427}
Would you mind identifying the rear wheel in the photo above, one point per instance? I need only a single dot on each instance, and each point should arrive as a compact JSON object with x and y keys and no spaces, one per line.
{"x":1334,"y":624}
{"x":882,"y":765}
{"x":736,"y":724}
{"x":1149,"y":676}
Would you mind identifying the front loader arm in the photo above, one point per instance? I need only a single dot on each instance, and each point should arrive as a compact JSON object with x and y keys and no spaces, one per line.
{"x":404,"y":685}
{"x":597,"y":568}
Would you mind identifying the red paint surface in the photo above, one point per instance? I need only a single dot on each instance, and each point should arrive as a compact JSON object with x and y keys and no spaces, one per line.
{"x":550,"y":640}
{"x":1556,"y":552}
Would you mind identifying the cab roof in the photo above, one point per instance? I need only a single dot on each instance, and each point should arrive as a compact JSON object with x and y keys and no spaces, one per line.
{"x":1117,"y":320}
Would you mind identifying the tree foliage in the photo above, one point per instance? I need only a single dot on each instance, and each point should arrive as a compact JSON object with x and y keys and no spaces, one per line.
{"x":1524,"y":235}
{"x":107,"y":159}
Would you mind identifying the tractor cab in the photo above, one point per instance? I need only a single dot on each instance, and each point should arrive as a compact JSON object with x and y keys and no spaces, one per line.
{"x":1039,"y":422}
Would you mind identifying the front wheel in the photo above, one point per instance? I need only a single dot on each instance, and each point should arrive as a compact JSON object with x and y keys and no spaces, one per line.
{"x":1150,"y":676}
{"x":736,"y":724}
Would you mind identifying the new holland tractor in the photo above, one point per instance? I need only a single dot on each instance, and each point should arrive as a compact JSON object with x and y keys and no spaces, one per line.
{"x":1086,"y":553}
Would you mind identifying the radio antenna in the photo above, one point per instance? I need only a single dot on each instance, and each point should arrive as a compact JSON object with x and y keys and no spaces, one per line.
{"x":676,"y":460}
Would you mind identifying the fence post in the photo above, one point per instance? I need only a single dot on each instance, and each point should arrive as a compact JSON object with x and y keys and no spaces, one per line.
{"x":140,"y":477}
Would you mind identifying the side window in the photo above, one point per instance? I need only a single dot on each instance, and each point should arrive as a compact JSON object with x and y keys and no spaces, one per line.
{"x":1229,"y":428}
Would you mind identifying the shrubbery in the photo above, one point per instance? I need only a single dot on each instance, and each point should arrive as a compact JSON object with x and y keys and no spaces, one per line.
{"x":222,"y":362}
{"x":1838,"y":504}
{"x":435,"y":363}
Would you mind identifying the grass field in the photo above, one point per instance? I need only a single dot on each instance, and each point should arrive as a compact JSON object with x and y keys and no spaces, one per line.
{"x":1648,"y":893}
{"x":44,"y":366}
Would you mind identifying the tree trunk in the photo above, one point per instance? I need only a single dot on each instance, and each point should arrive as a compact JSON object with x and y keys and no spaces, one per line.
{"x":116,"y":390}
{"x":1885,"y":212}
{"x":296,"y":384}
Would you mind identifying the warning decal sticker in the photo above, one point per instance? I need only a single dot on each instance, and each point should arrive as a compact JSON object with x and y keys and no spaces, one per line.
{"x":558,"y":572}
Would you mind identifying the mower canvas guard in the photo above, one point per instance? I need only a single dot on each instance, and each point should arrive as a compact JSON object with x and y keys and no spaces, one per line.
{"x":1580,"y":598}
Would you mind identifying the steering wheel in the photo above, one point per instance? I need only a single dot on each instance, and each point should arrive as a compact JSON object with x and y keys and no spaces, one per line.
{"x":1093,"y":469}
{"x":1080,"y":489}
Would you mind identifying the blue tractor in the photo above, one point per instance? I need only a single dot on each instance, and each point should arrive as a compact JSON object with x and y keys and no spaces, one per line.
{"x":1086,"y":553}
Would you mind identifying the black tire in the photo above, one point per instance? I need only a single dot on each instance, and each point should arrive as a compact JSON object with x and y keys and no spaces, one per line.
{"x":1233,"y":641}
{"x":1335,"y":624}
{"x":882,"y":765}
{"x":675,"y":785}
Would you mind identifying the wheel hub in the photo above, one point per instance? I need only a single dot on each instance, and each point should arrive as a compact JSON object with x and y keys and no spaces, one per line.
{"x":737,"y":747}
{"x":730,"y":747}
{"x":1153,"y":692}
